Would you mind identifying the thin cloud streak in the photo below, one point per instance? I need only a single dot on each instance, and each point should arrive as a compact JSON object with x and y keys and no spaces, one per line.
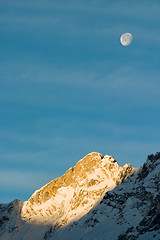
{"x":68,"y":22}
{"x":13,"y":179}
{"x":121,"y":82}
{"x":125,"y":7}
{"x":69,"y":88}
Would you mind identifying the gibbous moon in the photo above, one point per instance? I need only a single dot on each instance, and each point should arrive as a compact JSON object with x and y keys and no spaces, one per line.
{"x":126,"y":39}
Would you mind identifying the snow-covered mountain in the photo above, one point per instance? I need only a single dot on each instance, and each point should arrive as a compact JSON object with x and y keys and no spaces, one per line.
{"x":69,"y":197}
{"x":97,"y":199}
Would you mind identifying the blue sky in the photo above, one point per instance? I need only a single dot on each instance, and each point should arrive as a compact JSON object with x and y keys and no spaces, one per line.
{"x":68,"y":87}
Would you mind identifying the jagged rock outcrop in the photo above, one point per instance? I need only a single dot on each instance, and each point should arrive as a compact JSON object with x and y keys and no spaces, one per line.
{"x":124,"y":203}
{"x":130,"y":211}
{"x":12,"y":227}
{"x":10,"y":219}
{"x":72,"y":195}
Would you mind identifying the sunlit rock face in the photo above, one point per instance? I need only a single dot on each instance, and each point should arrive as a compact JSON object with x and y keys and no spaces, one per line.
{"x":71,"y":196}
{"x":131,"y":211}
{"x":95,"y":200}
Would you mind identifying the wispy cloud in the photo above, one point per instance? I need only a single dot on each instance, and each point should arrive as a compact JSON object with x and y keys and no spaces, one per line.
{"x":64,"y":18}
{"x":123,"y":81}
{"x":68,"y":87}
{"x":95,"y":6}
{"x":21,"y":182}
{"x":14,"y":179}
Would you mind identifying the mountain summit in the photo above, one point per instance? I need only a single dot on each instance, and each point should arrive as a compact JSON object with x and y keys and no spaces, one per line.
{"x":71,"y":196}
{"x":95,"y":200}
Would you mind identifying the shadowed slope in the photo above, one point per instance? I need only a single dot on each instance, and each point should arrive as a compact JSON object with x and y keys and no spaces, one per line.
{"x":130,"y":211}
{"x":12,"y":227}
{"x":52,"y":212}
{"x":69,"y":197}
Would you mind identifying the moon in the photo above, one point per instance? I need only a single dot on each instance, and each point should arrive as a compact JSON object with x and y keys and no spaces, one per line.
{"x":126,"y":39}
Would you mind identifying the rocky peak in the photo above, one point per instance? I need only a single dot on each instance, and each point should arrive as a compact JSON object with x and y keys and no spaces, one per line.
{"x":10,"y":219}
{"x":153,"y":157}
{"x":73,"y":194}
{"x":130,"y":211}
{"x":153,"y":160}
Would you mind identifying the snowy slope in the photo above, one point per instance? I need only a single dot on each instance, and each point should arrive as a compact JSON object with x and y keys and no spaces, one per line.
{"x":12,"y":227}
{"x":131,"y":211}
{"x":71,"y":196}
{"x":99,"y":199}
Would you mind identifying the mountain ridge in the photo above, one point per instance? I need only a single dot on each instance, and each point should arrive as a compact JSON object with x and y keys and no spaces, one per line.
{"x":129,"y":211}
{"x":73,"y":194}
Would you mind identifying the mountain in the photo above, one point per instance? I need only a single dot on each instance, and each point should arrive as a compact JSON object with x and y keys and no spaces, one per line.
{"x":71,"y":196}
{"x":97,"y":199}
